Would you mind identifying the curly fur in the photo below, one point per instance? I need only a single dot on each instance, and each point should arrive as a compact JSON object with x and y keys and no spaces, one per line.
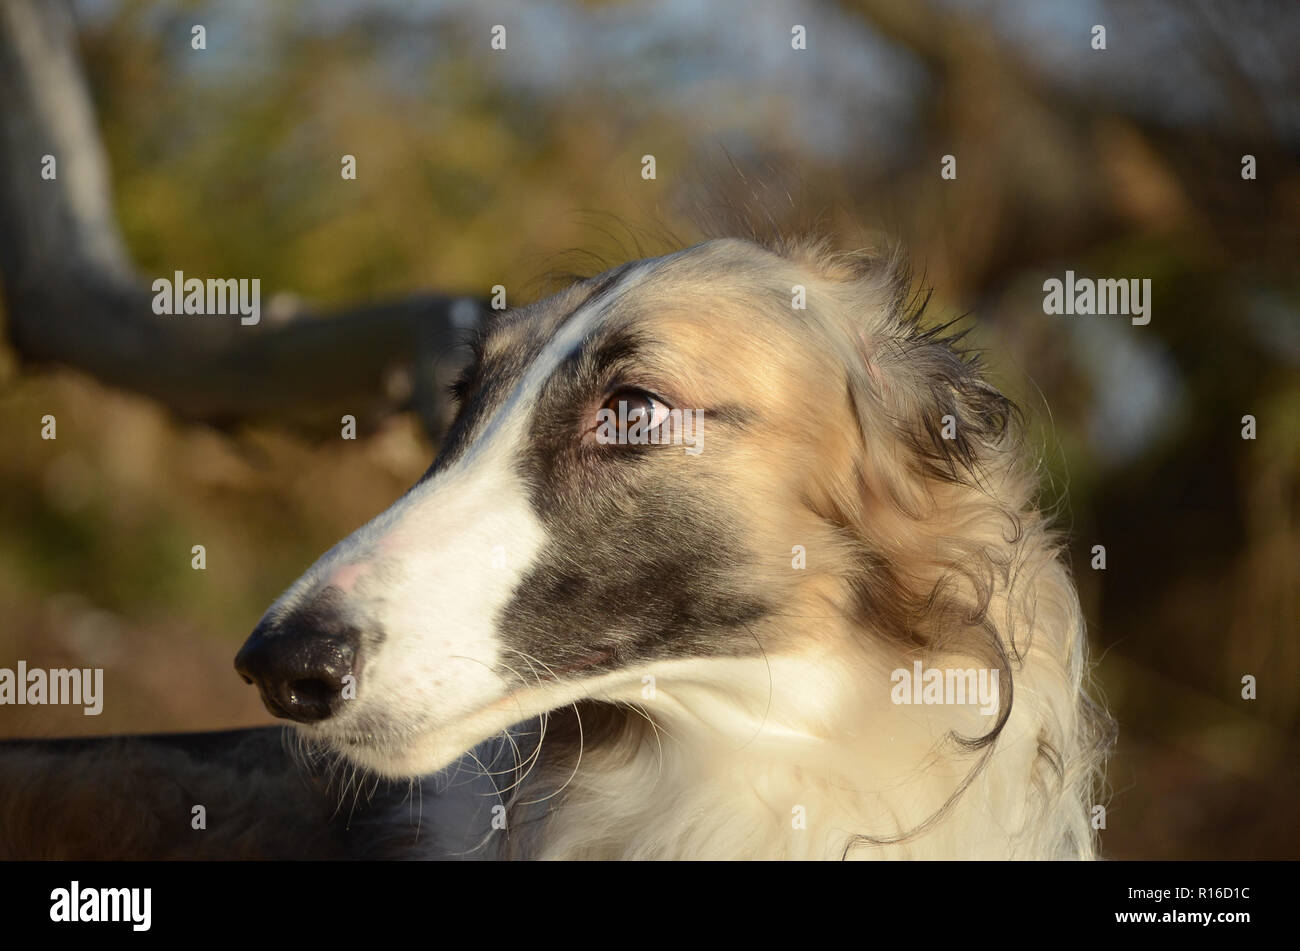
{"x":941,"y":554}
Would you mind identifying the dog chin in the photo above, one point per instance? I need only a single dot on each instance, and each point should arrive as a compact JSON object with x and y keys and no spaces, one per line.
{"x":415,"y":756}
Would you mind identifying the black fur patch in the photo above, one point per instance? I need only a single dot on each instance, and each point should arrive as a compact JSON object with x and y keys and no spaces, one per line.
{"x":641,"y":564}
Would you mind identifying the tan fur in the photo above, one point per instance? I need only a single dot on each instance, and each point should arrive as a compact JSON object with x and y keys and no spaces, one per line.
{"x":962,"y":568}
{"x":916,"y":550}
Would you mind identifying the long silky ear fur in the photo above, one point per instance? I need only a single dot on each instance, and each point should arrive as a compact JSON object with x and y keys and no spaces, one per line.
{"x":954,"y":556}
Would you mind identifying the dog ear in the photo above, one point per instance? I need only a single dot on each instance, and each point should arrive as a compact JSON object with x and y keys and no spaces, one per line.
{"x":953,"y":558}
{"x":925,"y":407}
{"x":935,"y":489}
{"x":960,"y":420}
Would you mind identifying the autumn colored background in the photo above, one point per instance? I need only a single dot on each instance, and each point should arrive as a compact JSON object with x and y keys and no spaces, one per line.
{"x":479,"y":167}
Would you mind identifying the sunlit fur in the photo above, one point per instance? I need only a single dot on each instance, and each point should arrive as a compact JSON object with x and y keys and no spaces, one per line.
{"x":690,"y":657}
{"x":925,"y":548}
{"x":534,"y":709}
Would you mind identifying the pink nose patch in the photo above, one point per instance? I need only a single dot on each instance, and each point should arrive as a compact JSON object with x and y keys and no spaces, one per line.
{"x":345,"y":578}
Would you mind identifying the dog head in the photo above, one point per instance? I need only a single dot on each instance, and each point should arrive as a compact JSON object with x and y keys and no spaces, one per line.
{"x":716,"y":454}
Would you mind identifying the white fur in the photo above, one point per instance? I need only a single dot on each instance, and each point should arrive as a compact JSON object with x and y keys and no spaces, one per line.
{"x":435,"y":570}
{"x":783,"y":755}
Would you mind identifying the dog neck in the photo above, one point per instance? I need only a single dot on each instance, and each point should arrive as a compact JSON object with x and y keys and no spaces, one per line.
{"x":693,"y":770}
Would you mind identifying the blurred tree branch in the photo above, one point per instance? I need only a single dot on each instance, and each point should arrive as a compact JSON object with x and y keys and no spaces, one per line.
{"x":72,"y":295}
{"x":1055,"y":172}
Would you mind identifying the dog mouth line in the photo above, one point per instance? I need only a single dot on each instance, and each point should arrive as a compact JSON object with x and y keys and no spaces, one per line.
{"x":389,"y":740}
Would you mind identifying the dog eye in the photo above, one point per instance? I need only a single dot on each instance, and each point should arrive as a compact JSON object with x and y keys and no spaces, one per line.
{"x":635,"y":404}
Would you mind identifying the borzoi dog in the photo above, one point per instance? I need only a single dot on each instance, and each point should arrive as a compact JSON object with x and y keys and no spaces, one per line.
{"x":725,"y":556}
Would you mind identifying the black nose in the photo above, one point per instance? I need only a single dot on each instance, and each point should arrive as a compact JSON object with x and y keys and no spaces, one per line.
{"x":301,"y":662}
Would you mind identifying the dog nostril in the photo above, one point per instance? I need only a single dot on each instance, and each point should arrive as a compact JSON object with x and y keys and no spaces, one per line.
{"x":313,"y":692}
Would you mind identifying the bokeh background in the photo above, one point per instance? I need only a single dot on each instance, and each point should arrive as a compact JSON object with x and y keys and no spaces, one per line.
{"x":478,"y":167}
